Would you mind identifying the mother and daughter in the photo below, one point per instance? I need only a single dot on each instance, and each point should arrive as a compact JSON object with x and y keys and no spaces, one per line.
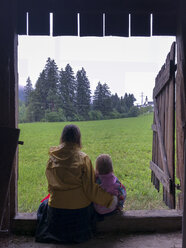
{"x":77,"y":193}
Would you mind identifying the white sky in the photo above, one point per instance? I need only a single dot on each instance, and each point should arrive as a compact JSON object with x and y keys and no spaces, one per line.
{"x":127,"y":65}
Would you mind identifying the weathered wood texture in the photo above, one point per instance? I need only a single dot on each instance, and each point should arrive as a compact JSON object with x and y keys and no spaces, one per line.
{"x":117,"y":24}
{"x":161,"y":176}
{"x":164,"y":130}
{"x":91,"y":24}
{"x":78,"y":6}
{"x":181,"y":108}
{"x":140,"y":25}
{"x":127,"y":222}
{"x":8,"y":145}
{"x":8,"y":86}
{"x":116,"y":12}
{"x":180,"y":118}
{"x":65,"y":23}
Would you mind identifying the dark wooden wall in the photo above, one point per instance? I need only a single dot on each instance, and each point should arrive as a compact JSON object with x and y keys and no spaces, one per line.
{"x":140,"y":11}
{"x":181,"y":93}
{"x":9,"y":89}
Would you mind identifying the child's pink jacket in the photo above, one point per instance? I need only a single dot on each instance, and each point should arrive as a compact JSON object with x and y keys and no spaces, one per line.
{"x":112,"y":185}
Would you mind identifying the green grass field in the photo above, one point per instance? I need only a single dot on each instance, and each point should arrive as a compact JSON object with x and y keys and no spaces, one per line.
{"x":128,"y":141}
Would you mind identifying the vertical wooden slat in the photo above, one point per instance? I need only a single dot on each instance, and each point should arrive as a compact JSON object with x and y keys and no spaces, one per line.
{"x":164,"y":24}
{"x":180,"y":124}
{"x":91,"y":24}
{"x":21,"y":22}
{"x":65,"y":23}
{"x":21,"y":17}
{"x":140,"y":25}
{"x":165,"y":95}
{"x":38,"y":22}
{"x":117,"y":24}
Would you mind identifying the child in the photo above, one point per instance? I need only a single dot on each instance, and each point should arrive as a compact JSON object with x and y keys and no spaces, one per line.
{"x":109,"y":182}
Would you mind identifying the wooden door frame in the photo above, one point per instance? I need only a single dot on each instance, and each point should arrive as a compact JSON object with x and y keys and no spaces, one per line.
{"x":9,"y":90}
{"x":9,"y":82}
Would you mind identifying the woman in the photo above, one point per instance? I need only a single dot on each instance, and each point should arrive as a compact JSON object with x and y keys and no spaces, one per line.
{"x":68,"y":214}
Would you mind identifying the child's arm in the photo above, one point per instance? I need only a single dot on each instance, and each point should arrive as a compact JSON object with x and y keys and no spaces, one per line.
{"x":122,"y":194}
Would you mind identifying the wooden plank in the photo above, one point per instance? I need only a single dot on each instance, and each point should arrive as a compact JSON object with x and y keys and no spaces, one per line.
{"x":8,"y":145}
{"x":171,"y":140}
{"x":165,"y":94}
{"x":140,"y":25}
{"x":160,"y":139}
{"x":91,"y":24}
{"x":155,"y":159}
{"x":8,"y":85}
{"x":181,"y":58}
{"x":38,"y":23}
{"x":117,"y":24}
{"x":65,"y":23}
{"x":127,"y":6}
{"x":164,"y":179}
{"x":164,"y":24}
{"x":180,"y":117}
{"x":162,"y":79}
{"x":21,"y":21}
{"x":125,"y":222}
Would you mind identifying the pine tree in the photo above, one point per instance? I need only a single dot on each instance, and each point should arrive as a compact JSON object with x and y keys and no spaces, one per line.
{"x":51,"y":84}
{"x":128,"y":102}
{"x":115,"y":102}
{"x":27,"y":91}
{"x":67,"y":92}
{"x":83,"y":95}
{"x":41,"y":91}
{"x":102,"y":99}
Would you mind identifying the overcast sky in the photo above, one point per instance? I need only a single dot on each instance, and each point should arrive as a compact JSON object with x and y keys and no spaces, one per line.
{"x":127,"y":65}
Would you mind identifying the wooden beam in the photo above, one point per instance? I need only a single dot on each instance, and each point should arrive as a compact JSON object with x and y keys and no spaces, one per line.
{"x":38,"y":23}
{"x":140,"y":25}
{"x":127,"y":6}
{"x":8,"y":145}
{"x":164,"y":24}
{"x":181,"y":41}
{"x":91,"y":24}
{"x":21,"y":20}
{"x":8,"y":87}
{"x":65,"y":23}
{"x":164,"y":179}
{"x":117,"y":24}
{"x":128,"y":221}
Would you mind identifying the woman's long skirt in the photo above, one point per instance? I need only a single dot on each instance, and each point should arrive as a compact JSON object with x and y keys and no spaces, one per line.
{"x":64,"y":225}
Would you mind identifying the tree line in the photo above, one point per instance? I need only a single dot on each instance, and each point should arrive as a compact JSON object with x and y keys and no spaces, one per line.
{"x":60,"y":95}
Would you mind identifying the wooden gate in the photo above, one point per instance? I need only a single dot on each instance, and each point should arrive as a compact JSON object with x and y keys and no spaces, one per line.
{"x":163,"y":147}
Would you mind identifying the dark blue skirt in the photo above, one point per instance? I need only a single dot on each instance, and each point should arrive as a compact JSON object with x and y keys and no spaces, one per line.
{"x":56,"y":225}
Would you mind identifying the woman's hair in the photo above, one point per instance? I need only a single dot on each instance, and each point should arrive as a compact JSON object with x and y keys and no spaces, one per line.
{"x":71,"y":133}
{"x":104,"y":164}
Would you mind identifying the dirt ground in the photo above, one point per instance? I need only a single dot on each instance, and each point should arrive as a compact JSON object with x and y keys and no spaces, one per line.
{"x":169,"y":240}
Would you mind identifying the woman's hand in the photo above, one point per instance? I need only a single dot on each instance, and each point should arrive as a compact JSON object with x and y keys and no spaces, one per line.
{"x":114,"y":202}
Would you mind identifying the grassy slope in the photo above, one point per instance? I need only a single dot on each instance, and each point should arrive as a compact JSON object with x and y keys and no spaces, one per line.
{"x":128,"y":141}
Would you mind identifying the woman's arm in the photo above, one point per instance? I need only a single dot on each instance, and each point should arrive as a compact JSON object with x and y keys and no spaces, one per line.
{"x":92,"y":190}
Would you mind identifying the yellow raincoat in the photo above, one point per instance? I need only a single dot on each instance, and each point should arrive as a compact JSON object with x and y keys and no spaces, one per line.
{"x":71,"y":179}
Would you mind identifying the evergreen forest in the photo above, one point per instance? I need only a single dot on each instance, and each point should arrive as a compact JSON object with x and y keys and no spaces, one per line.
{"x":62,"y":95}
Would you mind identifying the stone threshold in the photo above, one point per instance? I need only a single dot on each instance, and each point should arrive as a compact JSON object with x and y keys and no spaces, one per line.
{"x":125,"y":222}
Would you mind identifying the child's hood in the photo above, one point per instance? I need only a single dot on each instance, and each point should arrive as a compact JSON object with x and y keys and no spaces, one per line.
{"x":109,"y":178}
